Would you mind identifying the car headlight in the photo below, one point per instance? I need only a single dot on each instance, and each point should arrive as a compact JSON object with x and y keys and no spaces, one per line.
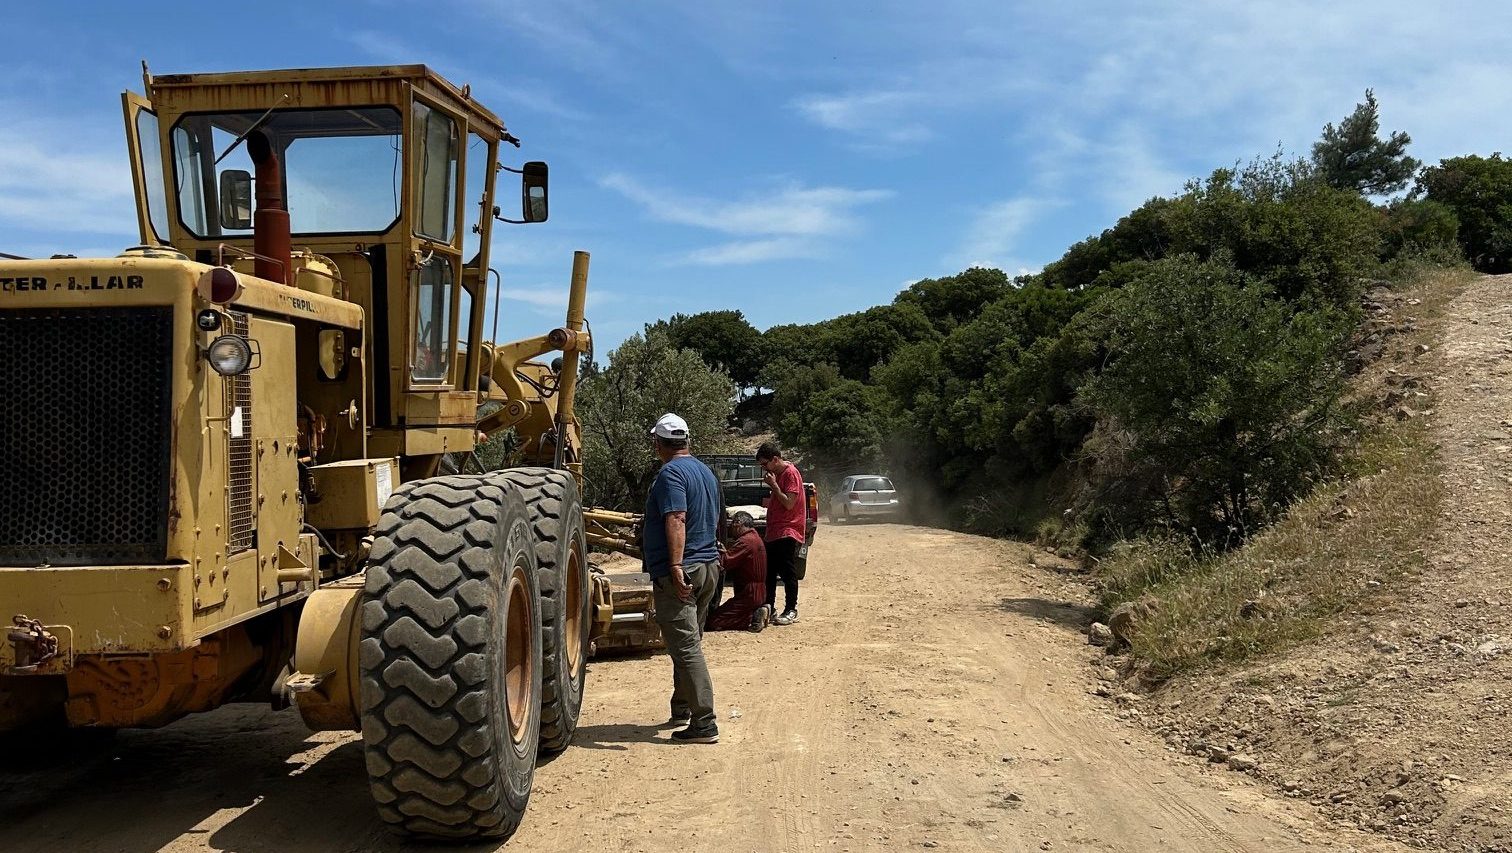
{"x":229,"y":355}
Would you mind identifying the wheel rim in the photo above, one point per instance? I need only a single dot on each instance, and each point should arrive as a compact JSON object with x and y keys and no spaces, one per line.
{"x":518,"y":666}
{"x":574,"y":603}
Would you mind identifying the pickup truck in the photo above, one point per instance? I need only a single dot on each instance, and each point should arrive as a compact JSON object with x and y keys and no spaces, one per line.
{"x":740,"y":481}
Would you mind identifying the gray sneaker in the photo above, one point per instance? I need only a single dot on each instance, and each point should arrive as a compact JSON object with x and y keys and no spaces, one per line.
{"x":788,"y":617}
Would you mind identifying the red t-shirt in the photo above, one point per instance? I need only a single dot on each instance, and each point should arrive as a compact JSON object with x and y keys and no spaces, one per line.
{"x":781,"y":521}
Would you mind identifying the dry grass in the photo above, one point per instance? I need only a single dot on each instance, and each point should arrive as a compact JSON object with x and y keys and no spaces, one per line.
{"x":1336,"y":550}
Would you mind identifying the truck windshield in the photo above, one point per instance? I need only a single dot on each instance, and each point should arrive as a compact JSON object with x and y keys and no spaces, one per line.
{"x":732,"y":471}
{"x":342,"y":167}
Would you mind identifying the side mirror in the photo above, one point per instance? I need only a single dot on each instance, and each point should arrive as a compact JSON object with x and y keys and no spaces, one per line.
{"x":533,"y":192}
{"x":236,"y":199}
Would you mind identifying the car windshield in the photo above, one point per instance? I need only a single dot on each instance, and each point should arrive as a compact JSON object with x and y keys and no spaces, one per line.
{"x":341,"y":167}
{"x":874,"y":484}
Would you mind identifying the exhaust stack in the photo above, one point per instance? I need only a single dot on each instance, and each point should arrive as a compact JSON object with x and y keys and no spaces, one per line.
{"x":270,"y":219}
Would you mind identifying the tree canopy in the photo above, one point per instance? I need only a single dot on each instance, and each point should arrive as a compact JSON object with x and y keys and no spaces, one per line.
{"x":1478,"y":192}
{"x":646,"y":377}
{"x":724,"y":339}
{"x":1353,"y":156}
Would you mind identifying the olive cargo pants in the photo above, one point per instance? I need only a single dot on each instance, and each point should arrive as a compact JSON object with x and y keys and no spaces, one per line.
{"x":682,"y":627}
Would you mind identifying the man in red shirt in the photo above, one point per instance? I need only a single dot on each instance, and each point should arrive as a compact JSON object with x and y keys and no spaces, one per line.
{"x":745,"y":564}
{"x":785,"y":523}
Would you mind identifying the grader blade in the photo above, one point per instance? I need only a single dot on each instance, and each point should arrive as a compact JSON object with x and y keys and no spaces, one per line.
{"x":627,"y":617}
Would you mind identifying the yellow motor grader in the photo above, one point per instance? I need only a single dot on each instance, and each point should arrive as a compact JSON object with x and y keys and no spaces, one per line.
{"x":227,"y":448}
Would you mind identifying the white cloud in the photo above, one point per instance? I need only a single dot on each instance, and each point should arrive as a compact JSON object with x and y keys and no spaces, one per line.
{"x":529,"y":94}
{"x":788,"y":222}
{"x":552,"y":297}
{"x":47,"y":182}
{"x":880,"y":116}
{"x":752,"y":251}
{"x":792,"y":209}
{"x":1116,"y":105}
{"x":994,"y":232}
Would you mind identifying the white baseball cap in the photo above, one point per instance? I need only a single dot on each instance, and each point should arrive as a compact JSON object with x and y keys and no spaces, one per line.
{"x":670,"y":426}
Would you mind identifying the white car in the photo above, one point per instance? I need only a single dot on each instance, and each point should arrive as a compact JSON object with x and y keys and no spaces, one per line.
{"x":865,"y":496}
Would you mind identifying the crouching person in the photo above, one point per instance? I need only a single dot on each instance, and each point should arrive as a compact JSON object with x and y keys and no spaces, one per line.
{"x":745,"y":565}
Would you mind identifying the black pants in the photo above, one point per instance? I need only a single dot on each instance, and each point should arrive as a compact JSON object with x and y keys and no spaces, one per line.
{"x":782,"y":563}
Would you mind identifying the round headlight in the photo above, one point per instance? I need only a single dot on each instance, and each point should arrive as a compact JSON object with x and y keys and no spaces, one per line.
{"x":229,"y":355}
{"x":208,"y":320}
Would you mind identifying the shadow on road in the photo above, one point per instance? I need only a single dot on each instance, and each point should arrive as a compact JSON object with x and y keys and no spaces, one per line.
{"x":1064,"y":613}
{"x":613,"y":736}
{"x":241,"y":778}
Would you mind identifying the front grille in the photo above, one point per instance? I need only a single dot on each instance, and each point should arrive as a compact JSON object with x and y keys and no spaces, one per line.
{"x":85,"y":432}
{"x":243,"y":530}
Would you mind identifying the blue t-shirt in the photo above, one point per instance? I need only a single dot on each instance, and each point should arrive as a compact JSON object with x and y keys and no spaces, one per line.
{"x":687,"y":485}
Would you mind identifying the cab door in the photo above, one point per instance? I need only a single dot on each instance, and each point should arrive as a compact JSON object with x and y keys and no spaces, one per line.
{"x":147,"y":177}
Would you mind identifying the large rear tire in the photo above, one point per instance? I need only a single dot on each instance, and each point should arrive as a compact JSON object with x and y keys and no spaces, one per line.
{"x":561,"y":549}
{"x":450,"y":659}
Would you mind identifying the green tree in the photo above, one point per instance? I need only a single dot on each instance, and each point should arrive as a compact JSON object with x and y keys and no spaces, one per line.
{"x":949,"y":301}
{"x":1275,"y":220}
{"x":793,"y":345}
{"x":795,"y":383}
{"x":1419,"y":228}
{"x":1229,"y":396}
{"x":867,"y":338}
{"x":723,"y":338}
{"x":1479,"y":192}
{"x":1141,"y":236}
{"x":1353,"y":156}
{"x":646,"y":377}
{"x":838,"y":427}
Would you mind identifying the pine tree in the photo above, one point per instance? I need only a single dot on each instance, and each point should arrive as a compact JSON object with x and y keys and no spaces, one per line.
{"x":1352,"y":156}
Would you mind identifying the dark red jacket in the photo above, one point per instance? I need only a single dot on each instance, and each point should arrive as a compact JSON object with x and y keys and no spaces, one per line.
{"x":745,"y":565}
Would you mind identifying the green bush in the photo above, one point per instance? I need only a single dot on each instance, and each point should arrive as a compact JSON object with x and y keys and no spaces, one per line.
{"x":1478,"y":190}
{"x":1231,"y":396}
{"x":1419,"y":228}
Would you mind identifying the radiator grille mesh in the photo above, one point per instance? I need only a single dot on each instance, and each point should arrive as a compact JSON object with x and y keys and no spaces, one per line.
{"x":85,"y":432}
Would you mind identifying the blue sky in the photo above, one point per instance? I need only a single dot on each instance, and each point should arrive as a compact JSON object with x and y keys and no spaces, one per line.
{"x":793,"y":160}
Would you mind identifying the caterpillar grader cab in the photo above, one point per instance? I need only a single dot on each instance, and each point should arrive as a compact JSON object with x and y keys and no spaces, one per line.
{"x":228,"y":446}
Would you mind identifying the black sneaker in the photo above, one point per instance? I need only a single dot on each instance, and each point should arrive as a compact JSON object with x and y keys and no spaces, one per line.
{"x":677,"y":720}
{"x":788,"y":617}
{"x":693,"y":734}
{"x":761,"y":619}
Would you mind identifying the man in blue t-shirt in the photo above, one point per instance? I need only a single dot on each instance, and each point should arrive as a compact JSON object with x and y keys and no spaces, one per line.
{"x":680,"y":553}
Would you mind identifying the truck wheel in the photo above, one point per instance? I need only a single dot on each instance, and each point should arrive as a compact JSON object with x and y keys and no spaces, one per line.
{"x":450,"y":659}
{"x":561,"y":549}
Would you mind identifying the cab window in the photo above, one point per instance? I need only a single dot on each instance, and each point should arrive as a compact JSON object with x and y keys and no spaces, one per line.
{"x":430,"y":362}
{"x":340,"y":167}
{"x":464,"y":329}
{"x":435,"y":135}
{"x":152,"y":173}
{"x":479,"y":164}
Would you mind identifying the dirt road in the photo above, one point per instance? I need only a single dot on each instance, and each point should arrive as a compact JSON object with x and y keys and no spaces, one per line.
{"x":935,"y":695}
